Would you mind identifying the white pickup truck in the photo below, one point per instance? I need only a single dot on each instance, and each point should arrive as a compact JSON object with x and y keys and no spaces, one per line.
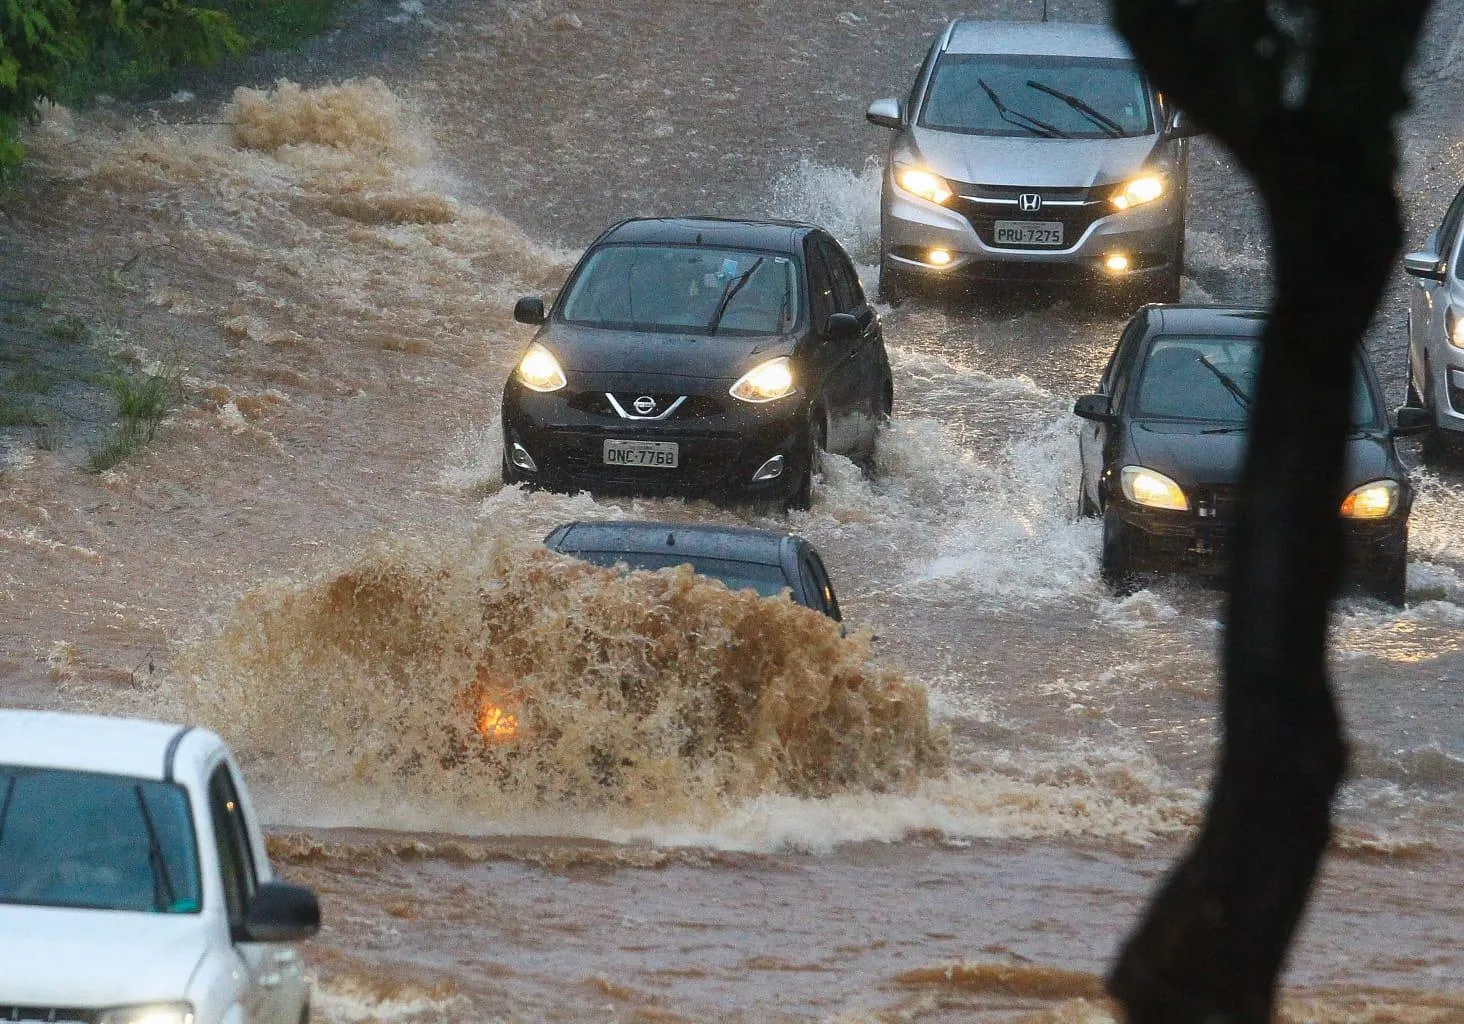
{"x":134,"y":883}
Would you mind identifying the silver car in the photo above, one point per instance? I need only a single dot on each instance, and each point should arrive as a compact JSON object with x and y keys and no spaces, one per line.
{"x":1033,"y":151}
{"x":1436,"y":324}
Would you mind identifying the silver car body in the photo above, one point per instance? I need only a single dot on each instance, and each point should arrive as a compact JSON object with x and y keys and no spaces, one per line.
{"x":996,"y":176}
{"x":1436,"y":321}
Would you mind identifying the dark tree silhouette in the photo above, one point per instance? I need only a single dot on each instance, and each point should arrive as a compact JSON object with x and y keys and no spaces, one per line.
{"x":1303,"y":93}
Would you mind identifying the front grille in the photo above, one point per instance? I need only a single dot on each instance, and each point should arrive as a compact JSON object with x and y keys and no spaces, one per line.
{"x":595,"y":403}
{"x":49,"y":1014}
{"x":1002,"y":206}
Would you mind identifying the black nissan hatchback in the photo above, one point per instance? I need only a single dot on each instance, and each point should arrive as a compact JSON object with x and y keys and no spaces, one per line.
{"x":1165,"y":439}
{"x":698,"y":357}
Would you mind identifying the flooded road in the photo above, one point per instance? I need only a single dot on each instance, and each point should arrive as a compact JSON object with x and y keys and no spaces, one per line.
{"x":316,"y":558}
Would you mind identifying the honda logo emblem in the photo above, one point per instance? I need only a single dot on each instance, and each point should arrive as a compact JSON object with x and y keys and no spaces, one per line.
{"x":1029,"y":202}
{"x":645,"y":405}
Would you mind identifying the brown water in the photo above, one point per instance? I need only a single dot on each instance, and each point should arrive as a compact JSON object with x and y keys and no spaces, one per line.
{"x":532,"y":790}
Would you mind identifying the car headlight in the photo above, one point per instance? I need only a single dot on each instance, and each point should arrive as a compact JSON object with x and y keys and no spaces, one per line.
{"x":539,"y":370}
{"x":765,"y":382}
{"x":1144,"y":189}
{"x":1454,"y":329}
{"x":1376,"y":500}
{"x":1146,"y":487}
{"x":149,"y":1013}
{"x":925,"y":184}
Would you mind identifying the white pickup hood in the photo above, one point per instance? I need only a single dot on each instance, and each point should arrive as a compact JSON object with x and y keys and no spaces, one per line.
{"x":89,"y":959}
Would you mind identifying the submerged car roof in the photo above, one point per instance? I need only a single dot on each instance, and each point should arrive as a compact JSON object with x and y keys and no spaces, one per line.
{"x":773,"y":235}
{"x":1036,"y":38}
{"x":1241,"y":321}
{"x":737,"y":544}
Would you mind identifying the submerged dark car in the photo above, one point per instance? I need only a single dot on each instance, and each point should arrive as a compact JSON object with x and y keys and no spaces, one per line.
{"x":1165,"y":439}
{"x":698,"y":357}
{"x":758,"y":559}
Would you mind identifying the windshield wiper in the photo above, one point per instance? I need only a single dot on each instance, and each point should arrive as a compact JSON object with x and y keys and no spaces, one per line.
{"x":1229,"y":382}
{"x":733,"y":287}
{"x":1237,"y":429}
{"x":1032,"y":125}
{"x":164,"y":895}
{"x":1108,"y":124}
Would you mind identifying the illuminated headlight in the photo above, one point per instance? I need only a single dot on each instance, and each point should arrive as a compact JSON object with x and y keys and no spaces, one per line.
{"x":923,"y":183}
{"x":1454,"y":329}
{"x":149,"y":1013}
{"x":765,"y":382}
{"x":539,"y":370}
{"x":1376,"y":500}
{"x":1146,"y":487}
{"x":1141,"y":190}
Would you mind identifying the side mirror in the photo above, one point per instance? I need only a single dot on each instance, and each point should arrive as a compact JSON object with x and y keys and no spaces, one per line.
{"x":1425,"y":265}
{"x":281,"y":912}
{"x":530,"y":310}
{"x":1411,"y":419}
{"x":886,"y":114}
{"x":1094,"y":407}
{"x":842,"y":327}
{"x":1181,"y":126}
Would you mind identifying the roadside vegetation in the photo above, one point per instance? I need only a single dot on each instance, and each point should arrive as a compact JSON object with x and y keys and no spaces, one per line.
{"x":143,"y":402}
{"x":68,"y":51}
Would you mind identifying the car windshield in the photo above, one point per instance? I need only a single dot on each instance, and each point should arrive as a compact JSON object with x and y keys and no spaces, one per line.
{"x":1214,"y":379}
{"x":767,"y":580}
{"x":686,"y":290}
{"x":1068,"y":97}
{"x":102,"y":842}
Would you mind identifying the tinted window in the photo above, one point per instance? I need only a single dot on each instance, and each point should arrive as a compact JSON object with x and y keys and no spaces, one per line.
{"x":848,"y":296}
{"x":104,"y":842}
{"x":684,"y":289}
{"x":1051,"y":90}
{"x":1214,"y":378}
{"x":920,"y":79}
{"x":820,"y":285}
{"x":767,"y":580}
{"x":1449,"y":229}
{"x":231,"y":838}
{"x":814,"y":568}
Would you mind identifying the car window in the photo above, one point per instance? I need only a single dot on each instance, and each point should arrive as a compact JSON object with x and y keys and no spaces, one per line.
{"x":1213,"y":378}
{"x":767,"y":580}
{"x":231,"y":839}
{"x":1449,"y":229}
{"x":814,"y":568}
{"x":820,"y":285}
{"x":848,"y":296}
{"x":914,"y":99}
{"x":684,"y":289}
{"x":1124,"y":347}
{"x":1081,"y":98}
{"x":96,"y":841}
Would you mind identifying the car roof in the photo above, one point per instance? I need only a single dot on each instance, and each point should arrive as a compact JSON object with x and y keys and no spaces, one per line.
{"x":1036,"y":38}
{"x":1233,"y":321}
{"x":737,"y":544}
{"x":772,"y":235}
{"x":91,"y":743}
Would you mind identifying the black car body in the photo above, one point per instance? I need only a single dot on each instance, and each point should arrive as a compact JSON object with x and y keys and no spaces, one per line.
{"x":1171,"y":413}
{"x":659,"y":327}
{"x":760,"y":559}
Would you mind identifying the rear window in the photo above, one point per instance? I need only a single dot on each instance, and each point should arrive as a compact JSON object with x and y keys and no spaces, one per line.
{"x":95,"y":841}
{"x":767,"y":580}
{"x":1214,"y":379}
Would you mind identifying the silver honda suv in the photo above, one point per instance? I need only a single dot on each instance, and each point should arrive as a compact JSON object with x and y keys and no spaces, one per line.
{"x":1033,"y":151}
{"x":1436,"y":327}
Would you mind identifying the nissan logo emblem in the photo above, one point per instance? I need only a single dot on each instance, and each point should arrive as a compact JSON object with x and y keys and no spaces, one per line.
{"x":645,"y":405}
{"x":1029,"y":202}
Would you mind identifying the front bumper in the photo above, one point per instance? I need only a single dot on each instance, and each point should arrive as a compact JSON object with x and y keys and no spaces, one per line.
{"x":721,"y":446}
{"x":1164,"y":540}
{"x":911,"y":227}
{"x":1449,"y":413}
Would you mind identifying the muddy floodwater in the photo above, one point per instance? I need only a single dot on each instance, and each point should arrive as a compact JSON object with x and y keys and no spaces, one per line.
{"x":529,"y":790}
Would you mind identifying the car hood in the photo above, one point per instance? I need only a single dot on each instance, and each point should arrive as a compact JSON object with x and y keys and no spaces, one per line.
{"x":96,"y":958}
{"x":592,"y":350}
{"x":1188,"y":457}
{"x":1032,"y":161}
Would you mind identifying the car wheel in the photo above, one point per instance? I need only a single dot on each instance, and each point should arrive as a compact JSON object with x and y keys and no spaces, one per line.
{"x":801,"y":496}
{"x":1116,"y":569}
{"x":1390,"y":581}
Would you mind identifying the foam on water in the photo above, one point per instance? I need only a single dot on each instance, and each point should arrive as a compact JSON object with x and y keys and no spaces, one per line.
{"x":844,"y":202}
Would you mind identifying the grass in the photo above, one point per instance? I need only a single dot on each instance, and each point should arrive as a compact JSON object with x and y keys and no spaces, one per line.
{"x":143,"y":402}
{"x":31,"y":382}
{"x":17,"y":414}
{"x":69,"y":328}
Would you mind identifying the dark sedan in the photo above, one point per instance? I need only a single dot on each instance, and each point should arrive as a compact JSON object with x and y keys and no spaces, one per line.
{"x":698,"y":357}
{"x":757,"y":559}
{"x":1165,"y":438}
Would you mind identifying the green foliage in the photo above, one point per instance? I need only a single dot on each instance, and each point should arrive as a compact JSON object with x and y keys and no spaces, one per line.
{"x":16,"y":414}
{"x":142,"y":405}
{"x":68,"y":50}
{"x":69,"y":328}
